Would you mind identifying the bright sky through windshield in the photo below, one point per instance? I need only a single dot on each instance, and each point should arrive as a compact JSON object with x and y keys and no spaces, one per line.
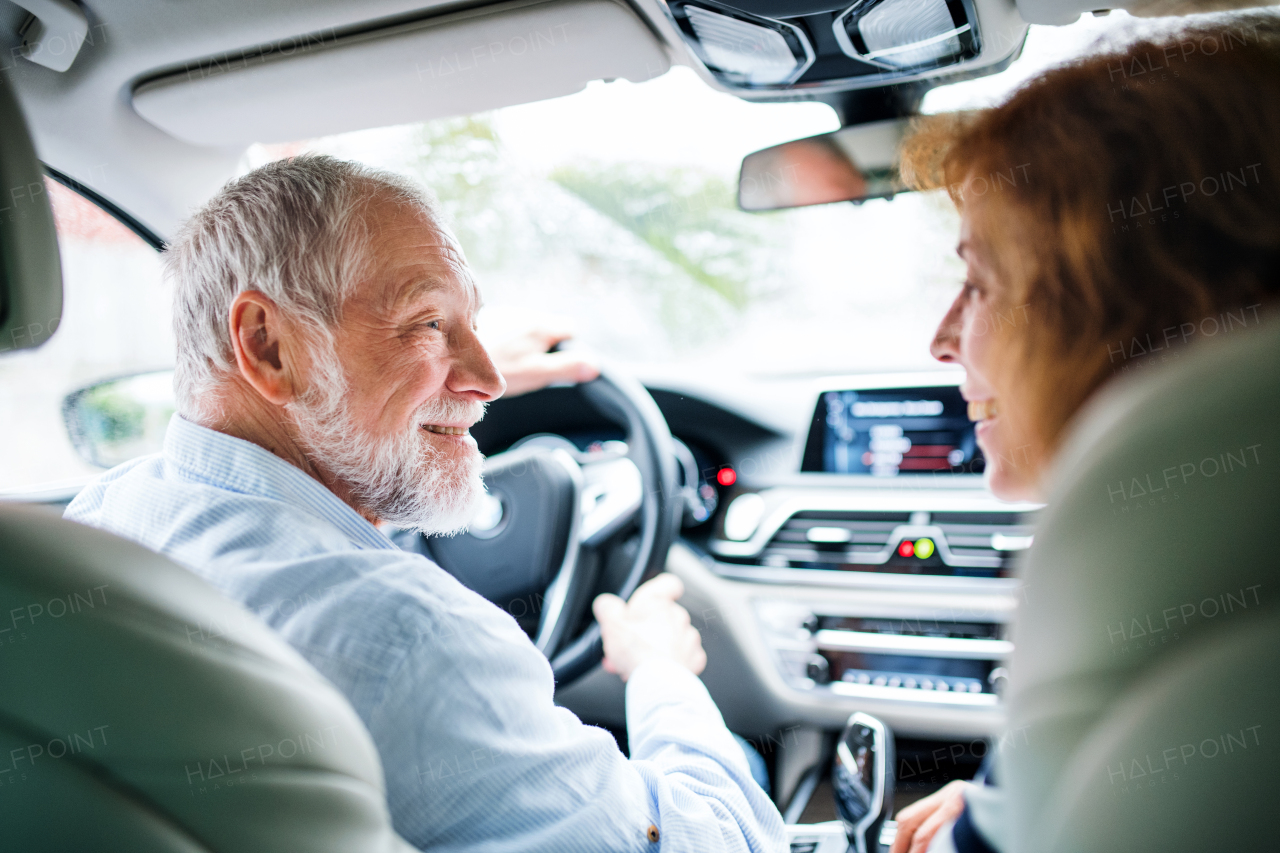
{"x":614,"y":208}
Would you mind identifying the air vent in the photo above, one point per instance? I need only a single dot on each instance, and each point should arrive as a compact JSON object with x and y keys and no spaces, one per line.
{"x":811,"y":539}
{"x":968,"y":544}
{"x":985,"y":534}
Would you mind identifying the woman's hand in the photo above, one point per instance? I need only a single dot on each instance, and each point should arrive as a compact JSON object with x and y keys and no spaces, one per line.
{"x":920,"y":821}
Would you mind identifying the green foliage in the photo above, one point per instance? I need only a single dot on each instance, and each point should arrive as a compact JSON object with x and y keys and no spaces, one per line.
{"x":686,"y":217}
{"x":460,"y":160}
{"x":673,"y":234}
{"x":111,"y":414}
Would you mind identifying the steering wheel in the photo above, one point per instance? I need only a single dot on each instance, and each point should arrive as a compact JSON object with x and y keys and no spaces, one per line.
{"x":561,"y":525}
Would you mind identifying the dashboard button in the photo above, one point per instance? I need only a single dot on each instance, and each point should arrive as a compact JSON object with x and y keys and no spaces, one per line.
{"x":818,"y":669}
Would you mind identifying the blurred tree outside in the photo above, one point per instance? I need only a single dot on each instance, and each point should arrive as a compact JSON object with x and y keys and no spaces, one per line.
{"x":667,"y":241}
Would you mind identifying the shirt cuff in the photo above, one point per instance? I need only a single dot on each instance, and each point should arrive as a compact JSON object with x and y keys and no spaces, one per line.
{"x":656,"y":683}
{"x":669,"y":705}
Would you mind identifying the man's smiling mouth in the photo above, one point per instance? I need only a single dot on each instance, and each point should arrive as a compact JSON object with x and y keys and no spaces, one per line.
{"x":445,"y":430}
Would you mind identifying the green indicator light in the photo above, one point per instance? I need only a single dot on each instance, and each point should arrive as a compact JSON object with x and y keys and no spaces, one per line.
{"x":924,"y":548}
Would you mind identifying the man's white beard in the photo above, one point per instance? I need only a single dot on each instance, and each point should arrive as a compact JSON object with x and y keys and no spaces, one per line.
{"x":402,"y":478}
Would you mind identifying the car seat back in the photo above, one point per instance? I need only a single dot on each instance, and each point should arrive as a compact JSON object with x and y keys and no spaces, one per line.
{"x":140,"y":711}
{"x":1146,"y":677}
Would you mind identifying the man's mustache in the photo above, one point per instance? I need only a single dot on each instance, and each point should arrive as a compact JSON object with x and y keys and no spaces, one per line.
{"x":450,"y":411}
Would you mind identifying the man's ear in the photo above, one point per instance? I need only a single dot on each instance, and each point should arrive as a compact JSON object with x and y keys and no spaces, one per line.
{"x":263,"y":355}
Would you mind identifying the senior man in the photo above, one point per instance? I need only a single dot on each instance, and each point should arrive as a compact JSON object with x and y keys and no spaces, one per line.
{"x":328,"y":371}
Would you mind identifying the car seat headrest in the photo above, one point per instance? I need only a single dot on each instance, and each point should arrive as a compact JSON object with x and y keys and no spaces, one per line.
{"x":30,"y":272}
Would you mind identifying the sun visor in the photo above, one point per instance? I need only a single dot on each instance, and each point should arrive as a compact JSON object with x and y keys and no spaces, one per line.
{"x":444,"y":66}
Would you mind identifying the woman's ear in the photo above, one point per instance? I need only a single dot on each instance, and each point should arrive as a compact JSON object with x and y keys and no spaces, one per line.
{"x":258,"y":338}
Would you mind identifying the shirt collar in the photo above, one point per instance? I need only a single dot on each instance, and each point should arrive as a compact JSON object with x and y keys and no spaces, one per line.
{"x":236,"y":465}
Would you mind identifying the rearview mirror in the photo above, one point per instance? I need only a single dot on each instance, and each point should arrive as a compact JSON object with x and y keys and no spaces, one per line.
{"x":117,"y":420}
{"x":851,"y":164}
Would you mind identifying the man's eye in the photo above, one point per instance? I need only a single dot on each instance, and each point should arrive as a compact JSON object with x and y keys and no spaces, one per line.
{"x":432,"y":324}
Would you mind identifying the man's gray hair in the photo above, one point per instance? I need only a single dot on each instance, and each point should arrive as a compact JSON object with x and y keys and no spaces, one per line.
{"x":294,"y":230}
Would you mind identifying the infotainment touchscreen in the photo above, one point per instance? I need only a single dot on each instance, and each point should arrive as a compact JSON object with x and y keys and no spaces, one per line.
{"x":892,"y":432}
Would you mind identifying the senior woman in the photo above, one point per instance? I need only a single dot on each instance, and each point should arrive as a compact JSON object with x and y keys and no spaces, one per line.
{"x":1116,"y":213}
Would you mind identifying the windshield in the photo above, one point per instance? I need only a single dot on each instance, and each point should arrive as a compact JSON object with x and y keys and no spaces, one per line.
{"x":616,"y":208}
{"x":613,"y":207}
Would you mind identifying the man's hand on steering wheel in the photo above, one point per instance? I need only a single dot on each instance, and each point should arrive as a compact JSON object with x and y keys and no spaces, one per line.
{"x":649,"y":626}
{"x":524,"y":361}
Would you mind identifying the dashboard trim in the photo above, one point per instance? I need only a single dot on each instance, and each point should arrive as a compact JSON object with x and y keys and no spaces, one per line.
{"x":907,"y":644}
{"x":866,"y":500}
{"x":917,"y":697}
{"x":863,"y":580}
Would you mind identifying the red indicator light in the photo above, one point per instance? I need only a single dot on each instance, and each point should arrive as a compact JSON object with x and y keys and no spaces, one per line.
{"x":726,"y":476}
{"x":906,"y":548}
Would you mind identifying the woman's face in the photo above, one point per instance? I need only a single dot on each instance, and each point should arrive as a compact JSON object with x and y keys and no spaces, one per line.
{"x":977,"y":332}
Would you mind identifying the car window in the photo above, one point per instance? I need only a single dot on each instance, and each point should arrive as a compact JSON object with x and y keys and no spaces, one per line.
{"x":616,"y":206}
{"x":115,"y":320}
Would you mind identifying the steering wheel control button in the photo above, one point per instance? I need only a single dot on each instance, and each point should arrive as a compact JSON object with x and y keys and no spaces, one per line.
{"x":487,"y":522}
{"x":653,"y":834}
{"x":612,"y":494}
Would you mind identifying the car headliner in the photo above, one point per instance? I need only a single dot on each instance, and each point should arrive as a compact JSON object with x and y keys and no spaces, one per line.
{"x":84,"y":122}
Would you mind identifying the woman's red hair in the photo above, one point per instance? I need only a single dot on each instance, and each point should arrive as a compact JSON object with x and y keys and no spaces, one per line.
{"x":1122,"y":197}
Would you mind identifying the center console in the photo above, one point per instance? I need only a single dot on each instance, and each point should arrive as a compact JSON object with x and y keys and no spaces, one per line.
{"x":884,"y":569}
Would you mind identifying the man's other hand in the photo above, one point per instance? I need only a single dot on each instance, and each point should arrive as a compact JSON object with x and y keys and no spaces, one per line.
{"x":920,"y":821}
{"x":524,"y":362}
{"x":650,"y":626}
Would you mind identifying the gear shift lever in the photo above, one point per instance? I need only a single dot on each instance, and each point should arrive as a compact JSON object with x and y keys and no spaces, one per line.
{"x":863,"y":780}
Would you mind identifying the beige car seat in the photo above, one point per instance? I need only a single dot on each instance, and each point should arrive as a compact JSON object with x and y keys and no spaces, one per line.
{"x":1144,"y":700}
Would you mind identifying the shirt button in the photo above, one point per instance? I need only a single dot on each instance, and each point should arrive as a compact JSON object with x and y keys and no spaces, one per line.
{"x":653,"y":834}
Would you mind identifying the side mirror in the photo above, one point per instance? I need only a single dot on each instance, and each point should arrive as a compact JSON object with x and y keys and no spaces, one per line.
{"x":116,"y":420}
{"x":863,"y":780}
{"x":854,"y":163}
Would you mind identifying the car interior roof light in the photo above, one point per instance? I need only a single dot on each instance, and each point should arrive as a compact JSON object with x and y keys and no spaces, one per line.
{"x":904,"y":34}
{"x":757,"y":52}
{"x":920,"y":46}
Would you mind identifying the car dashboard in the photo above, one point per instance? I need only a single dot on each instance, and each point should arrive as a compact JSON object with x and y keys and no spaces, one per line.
{"x":850,"y":557}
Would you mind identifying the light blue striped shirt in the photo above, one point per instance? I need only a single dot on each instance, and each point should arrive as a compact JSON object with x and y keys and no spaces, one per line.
{"x":477,"y":755}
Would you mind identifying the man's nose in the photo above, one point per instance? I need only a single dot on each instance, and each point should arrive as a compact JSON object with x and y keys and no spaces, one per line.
{"x":946,"y":341}
{"x":474,"y":372}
